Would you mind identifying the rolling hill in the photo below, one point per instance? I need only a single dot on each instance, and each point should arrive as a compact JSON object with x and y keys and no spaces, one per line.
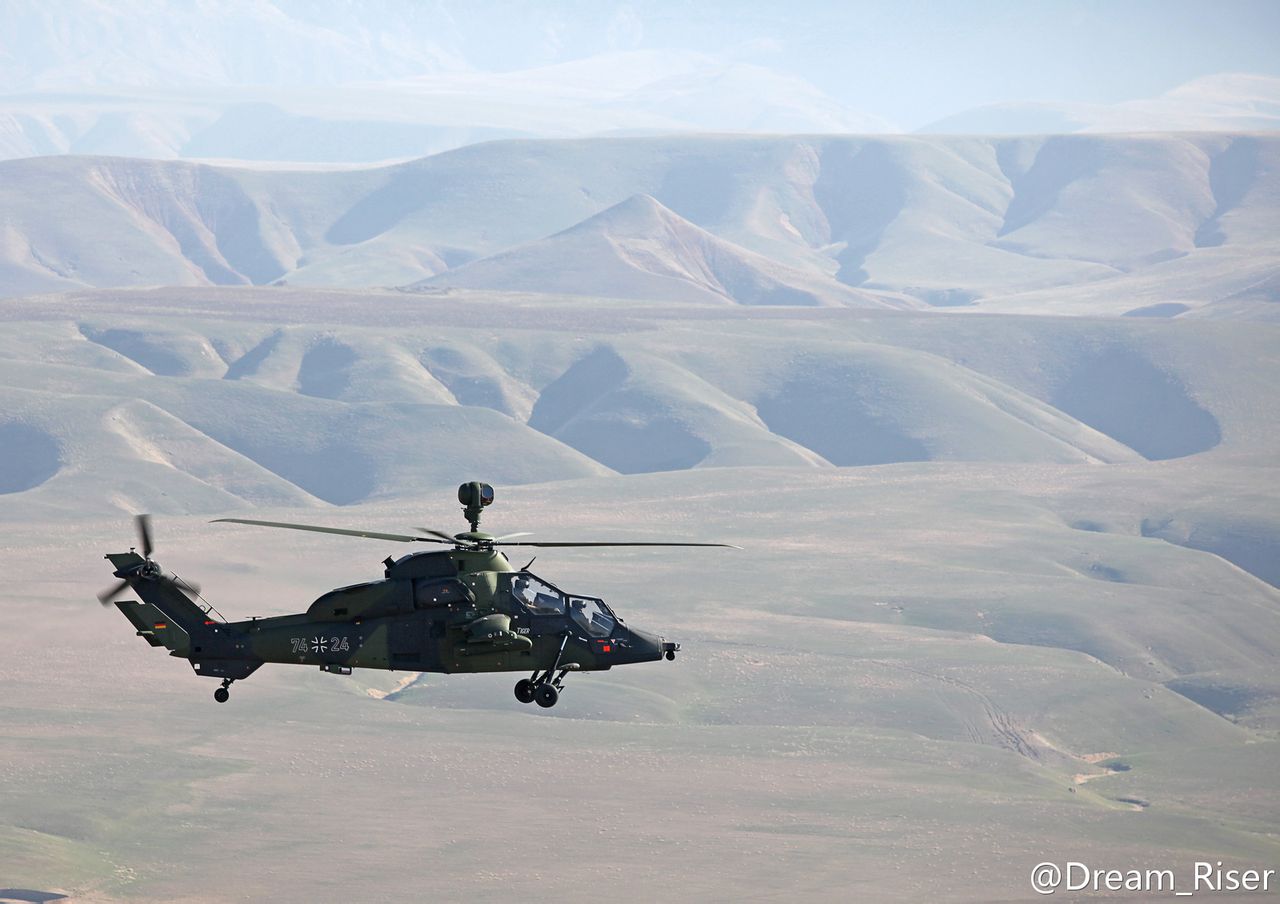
{"x":640,"y":249}
{"x":400,"y":390}
{"x":1008,"y":587}
{"x":1154,"y":224}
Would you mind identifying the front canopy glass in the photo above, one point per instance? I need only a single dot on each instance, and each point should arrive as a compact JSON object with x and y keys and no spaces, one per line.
{"x":537,"y":595}
{"x":591,"y":615}
{"x":540,"y":598}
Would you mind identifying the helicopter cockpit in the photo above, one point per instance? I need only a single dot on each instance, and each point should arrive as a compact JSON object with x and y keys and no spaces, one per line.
{"x":543,"y":599}
{"x":537,"y":595}
{"x":592,"y":615}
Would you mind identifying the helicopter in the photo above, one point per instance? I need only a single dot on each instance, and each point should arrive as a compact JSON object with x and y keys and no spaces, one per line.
{"x":465,"y":609}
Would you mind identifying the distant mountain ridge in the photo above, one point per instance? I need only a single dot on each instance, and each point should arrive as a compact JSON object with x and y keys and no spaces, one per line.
{"x":640,"y":249}
{"x":1062,"y":224}
{"x":1228,"y":102}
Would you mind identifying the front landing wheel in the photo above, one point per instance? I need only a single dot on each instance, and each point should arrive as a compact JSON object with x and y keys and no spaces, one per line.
{"x":524,"y":690}
{"x":546,"y":695}
{"x":222,"y":695}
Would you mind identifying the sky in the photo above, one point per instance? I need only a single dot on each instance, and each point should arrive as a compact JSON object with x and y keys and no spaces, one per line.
{"x":912,"y":61}
{"x":908,"y":62}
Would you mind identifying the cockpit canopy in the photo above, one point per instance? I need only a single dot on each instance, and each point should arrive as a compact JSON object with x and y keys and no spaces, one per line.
{"x":537,"y":595}
{"x":543,"y":599}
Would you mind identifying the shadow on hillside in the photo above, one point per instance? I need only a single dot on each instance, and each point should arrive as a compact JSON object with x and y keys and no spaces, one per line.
{"x":142,"y":349}
{"x":1119,"y":392}
{"x":820,"y":412}
{"x":28,"y":457}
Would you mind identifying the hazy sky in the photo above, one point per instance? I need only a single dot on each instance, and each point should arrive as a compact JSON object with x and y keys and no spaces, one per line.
{"x":906,"y":61}
{"x":912,"y":61}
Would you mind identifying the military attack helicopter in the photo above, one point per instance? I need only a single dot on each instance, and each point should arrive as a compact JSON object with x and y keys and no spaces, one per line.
{"x":465,"y":609}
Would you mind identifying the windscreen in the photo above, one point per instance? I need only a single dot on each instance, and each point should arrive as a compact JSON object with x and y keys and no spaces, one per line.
{"x":591,"y":615}
{"x":538,"y":596}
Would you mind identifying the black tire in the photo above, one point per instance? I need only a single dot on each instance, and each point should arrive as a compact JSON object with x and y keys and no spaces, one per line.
{"x":524,"y":690}
{"x":546,"y":696}
{"x":222,"y":695}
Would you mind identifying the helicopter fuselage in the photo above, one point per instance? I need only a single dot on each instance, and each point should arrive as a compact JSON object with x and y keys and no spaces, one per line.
{"x":462,"y":610}
{"x":454,"y":611}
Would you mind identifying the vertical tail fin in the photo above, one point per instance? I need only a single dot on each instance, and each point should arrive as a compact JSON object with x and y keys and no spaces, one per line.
{"x":166,"y":616}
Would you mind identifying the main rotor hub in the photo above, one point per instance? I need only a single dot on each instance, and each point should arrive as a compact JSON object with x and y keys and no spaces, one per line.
{"x":476,"y":540}
{"x":475,"y":496}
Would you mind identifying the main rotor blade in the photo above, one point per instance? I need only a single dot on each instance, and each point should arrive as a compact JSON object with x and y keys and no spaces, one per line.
{"x":447,"y":538}
{"x":443,"y":538}
{"x":106,"y":596}
{"x":522,"y":533}
{"x":724,"y":545}
{"x":370,"y":534}
{"x":143,"y":523}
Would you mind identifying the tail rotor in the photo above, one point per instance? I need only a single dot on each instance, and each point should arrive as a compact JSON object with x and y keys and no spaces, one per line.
{"x":143,"y":525}
{"x":146,"y":569}
{"x":107,"y":596}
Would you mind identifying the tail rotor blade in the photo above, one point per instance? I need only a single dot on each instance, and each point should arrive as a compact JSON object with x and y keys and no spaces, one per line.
{"x":186,"y":585}
{"x":144,"y":534}
{"x":106,"y":596}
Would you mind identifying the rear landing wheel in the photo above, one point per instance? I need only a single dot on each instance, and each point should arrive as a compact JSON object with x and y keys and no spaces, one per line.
{"x":222,"y":695}
{"x":546,"y":695}
{"x":524,"y":690}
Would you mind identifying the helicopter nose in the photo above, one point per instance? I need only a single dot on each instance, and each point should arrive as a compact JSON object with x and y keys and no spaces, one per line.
{"x":646,"y":647}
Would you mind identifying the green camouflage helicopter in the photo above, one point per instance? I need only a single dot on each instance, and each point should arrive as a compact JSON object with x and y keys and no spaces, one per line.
{"x":465,"y":609}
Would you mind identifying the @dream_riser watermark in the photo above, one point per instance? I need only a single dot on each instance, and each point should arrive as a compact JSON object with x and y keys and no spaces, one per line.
{"x":1204,"y":877}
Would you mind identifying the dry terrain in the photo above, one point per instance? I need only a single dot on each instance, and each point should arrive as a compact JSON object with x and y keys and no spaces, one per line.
{"x":1007,"y":594}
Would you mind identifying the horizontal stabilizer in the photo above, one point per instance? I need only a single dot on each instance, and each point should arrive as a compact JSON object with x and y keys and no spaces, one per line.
{"x":154,"y":626}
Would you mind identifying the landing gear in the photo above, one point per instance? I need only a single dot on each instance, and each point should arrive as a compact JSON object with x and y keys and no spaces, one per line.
{"x":222,"y":695}
{"x":525,"y":691}
{"x":540,"y":687}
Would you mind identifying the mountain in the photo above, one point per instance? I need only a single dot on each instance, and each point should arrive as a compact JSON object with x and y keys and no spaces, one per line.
{"x":1159,"y":225}
{"x":206,"y":399}
{"x":640,"y":249}
{"x":1006,"y":571}
{"x":80,"y":45}
{"x":281,"y":82}
{"x":1228,"y":102}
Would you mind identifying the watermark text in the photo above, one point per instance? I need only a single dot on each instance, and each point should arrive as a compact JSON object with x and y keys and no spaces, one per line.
{"x":1204,"y":877}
